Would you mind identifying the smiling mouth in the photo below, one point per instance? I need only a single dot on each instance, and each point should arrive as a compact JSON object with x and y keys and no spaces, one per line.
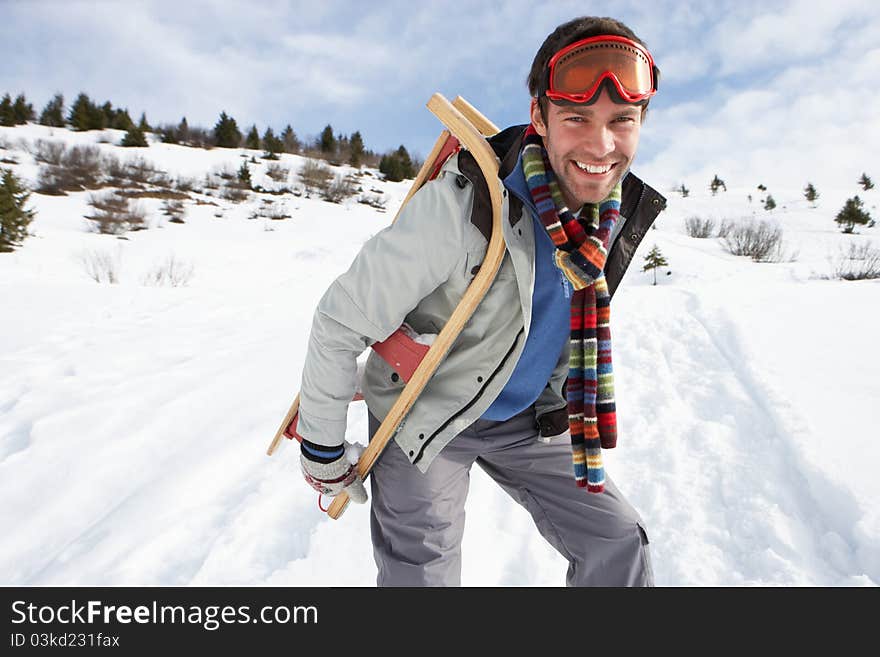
{"x":594,"y":170}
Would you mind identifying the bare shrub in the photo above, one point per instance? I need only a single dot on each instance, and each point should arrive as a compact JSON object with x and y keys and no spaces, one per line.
{"x":234,"y":192}
{"x":699,"y":228}
{"x":169,"y":273}
{"x":373,"y":200}
{"x":184,"y":184}
{"x":315,"y":177}
{"x":174,"y":210}
{"x":761,"y":241}
{"x":725,"y":227}
{"x":277,"y":172}
{"x":48,"y":152}
{"x":856,"y":263}
{"x":83,"y":163}
{"x":340,"y":189}
{"x":102,"y":266}
{"x":81,"y":167}
{"x":115,"y":214}
{"x":270,"y":210}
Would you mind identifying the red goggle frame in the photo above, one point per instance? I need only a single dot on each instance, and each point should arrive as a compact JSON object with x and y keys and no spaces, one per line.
{"x":576,"y":72}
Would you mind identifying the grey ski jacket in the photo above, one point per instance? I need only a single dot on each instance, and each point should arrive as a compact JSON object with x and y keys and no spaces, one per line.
{"x":416,"y":271}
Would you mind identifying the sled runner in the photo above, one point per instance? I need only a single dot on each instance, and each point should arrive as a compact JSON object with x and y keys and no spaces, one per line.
{"x":415,"y":363}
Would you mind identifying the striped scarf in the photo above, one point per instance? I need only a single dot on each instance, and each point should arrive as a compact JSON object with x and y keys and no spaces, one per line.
{"x":581,"y":250}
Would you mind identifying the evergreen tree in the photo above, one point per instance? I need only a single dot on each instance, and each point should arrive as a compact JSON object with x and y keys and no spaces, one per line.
{"x":183,"y":131}
{"x":81,"y":115}
{"x":226,"y":132}
{"x":653,"y":260}
{"x":134,"y":137}
{"x":244,"y":175}
{"x":356,"y":150}
{"x":53,"y":113}
{"x":23,"y":111}
{"x":7,"y":116}
{"x":769,"y":204}
{"x":109,"y":114}
{"x":811,"y":194}
{"x":272,"y":145}
{"x":684,"y":191}
{"x":291,"y":141}
{"x":717,"y":184}
{"x":852,"y":213}
{"x":327,"y":141}
{"x":14,"y":217}
{"x":143,"y":125}
{"x":121,"y":120}
{"x":406,"y":163}
{"x":397,"y":165}
{"x":865,"y":182}
{"x":253,"y":139}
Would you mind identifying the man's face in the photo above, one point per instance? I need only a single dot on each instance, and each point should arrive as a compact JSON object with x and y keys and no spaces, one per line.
{"x":579,"y":137}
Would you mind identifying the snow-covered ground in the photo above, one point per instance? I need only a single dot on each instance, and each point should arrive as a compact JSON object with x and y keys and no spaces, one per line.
{"x":134,"y":419}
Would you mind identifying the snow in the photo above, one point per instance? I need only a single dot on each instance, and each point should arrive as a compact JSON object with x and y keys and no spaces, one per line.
{"x":134,"y":419}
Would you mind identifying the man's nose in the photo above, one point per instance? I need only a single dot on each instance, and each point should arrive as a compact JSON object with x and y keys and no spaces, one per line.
{"x":600,"y":142}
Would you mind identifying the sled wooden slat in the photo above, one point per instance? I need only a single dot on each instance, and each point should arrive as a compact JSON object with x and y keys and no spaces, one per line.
{"x":472,"y":139}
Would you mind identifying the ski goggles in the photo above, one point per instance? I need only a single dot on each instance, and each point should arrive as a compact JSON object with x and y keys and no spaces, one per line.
{"x":576,"y":72}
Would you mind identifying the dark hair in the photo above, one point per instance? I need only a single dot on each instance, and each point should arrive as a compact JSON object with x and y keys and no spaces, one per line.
{"x":566,"y":34}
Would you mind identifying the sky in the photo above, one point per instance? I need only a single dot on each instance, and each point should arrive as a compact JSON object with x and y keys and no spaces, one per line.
{"x":743,"y":84}
{"x":134,"y":417}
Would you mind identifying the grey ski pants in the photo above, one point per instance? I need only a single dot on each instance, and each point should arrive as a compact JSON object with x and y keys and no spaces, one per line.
{"x":417,"y":520}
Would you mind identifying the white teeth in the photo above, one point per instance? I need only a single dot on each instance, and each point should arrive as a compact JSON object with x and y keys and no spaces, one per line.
{"x":591,"y":168}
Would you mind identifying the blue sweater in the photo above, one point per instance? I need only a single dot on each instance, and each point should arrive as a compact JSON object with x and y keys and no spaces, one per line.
{"x":551,"y":309}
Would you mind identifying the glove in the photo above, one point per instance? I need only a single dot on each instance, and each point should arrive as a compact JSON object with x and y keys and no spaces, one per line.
{"x":330,"y":470}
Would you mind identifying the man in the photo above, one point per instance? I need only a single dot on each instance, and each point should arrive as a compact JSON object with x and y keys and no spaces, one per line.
{"x":526,"y":391}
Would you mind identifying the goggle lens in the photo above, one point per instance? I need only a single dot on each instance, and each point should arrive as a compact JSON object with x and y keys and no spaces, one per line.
{"x":577,"y":71}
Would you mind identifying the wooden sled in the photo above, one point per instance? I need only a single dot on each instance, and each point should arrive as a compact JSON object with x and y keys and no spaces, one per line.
{"x":416,"y":363}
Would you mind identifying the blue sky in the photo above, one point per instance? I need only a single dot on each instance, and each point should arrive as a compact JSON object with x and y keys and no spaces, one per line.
{"x":775,"y":89}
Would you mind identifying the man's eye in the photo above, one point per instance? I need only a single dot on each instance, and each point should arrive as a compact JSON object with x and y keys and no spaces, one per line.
{"x":626,"y":119}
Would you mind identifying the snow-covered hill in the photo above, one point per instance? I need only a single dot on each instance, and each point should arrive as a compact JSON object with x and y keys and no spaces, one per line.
{"x":134,"y":418}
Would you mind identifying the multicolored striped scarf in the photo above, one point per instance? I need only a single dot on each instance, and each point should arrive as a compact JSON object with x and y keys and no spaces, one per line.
{"x":581,"y":250}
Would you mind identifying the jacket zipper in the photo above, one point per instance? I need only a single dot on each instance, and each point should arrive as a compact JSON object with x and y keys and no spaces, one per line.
{"x":631,"y":216}
{"x":471,"y":402}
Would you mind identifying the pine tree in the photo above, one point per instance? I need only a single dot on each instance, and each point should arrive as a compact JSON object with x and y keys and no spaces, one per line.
{"x":23,"y":111}
{"x":183,"y":131}
{"x":356,"y":150}
{"x":109,"y":114}
{"x":272,"y":145}
{"x":7,"y":116}
{"x":244,"y":175}
{"x":865,"y":182}
{"x":252,"y":140}
{"x":653,"y":260}
{"x":14,"y":217}
{"x":226,"y":132}
{"x":852,"y":213}
{"x":134,"y":137}
{"x":291,"y":141}
{"x":406,"y":163}
{"x":81,"y":115}
{"x":811,"y":194}
{"x":717,"y":184}
{"x":53,"y":113}
{"x":769,"y":204}
{"x":397,"y":165}
{"x":121,"y":120}
{"x":143,"y":125}
{"x":327,"y":141}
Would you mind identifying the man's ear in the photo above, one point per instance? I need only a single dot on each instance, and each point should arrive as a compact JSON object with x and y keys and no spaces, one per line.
{"x":537,"y":119}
